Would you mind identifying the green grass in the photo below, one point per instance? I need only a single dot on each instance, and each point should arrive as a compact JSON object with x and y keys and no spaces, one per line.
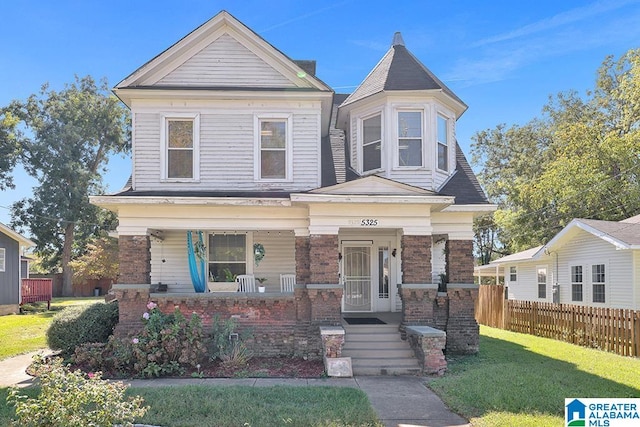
{"x":23,"y":333}
{"x":522,"y":380}
{"x":204,"y":406}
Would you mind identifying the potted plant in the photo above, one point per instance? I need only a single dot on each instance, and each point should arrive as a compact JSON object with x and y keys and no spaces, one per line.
{"x":226,"y":283}
{"x":261,"y":287}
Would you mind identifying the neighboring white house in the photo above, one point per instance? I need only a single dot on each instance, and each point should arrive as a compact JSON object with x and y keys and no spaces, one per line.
{"x":589,"y":262}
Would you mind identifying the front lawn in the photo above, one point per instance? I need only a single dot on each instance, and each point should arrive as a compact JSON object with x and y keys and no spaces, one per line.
{"x":522,"y":380}
{"x":23,"y":333}
{"x":205,"y":406}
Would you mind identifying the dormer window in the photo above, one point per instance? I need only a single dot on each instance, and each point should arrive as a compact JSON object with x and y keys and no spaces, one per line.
{"x":410,"y":138}
{"x":372,"y":143}
{"x":443,"y":143}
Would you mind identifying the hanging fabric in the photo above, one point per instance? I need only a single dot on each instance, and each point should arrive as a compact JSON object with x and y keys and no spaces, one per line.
{"x":196,"y":266}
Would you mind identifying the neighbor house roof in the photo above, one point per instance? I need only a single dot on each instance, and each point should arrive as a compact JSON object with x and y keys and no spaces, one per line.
{"x":622,"y":234}
{"x":399,"y":70}
{"x":518,"y":256}
{"x":23,"y":241}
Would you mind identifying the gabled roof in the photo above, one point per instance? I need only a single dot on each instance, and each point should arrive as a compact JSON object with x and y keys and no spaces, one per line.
{"x":374,"y":185}
{"x":223,"y":24}
{"x":22,"y":241}
{"x":463,"y":184}
{"x":399,"y":70}
{"x":622,"y":234}
{"x":527,"y":255}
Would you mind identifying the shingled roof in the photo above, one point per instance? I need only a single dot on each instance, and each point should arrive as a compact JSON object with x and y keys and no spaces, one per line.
{"x":464,"y":185}
{"x":399,"y":70}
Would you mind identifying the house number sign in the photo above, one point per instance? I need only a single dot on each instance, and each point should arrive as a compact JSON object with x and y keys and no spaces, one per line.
{"x":364,"y":222}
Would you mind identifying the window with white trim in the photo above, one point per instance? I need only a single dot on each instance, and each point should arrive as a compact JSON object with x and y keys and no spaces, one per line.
{"x":598,"y":281}
{"x":273,"y":148}
{"x":542,"y":282}
{"x":227,"y":256}
{"x":443,"y":143}
{"x":3,"y":255}
{"x":180,"y":153}
{"x":513,"y":274}
{"x":410,"y":138}
{"x":372,"y":143}
{"x":576,"y":283}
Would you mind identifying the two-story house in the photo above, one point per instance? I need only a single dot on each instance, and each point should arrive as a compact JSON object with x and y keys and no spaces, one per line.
{"x":366,"y":199}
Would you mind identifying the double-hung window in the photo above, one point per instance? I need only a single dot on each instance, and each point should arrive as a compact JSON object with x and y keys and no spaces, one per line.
{"x":542,"y":282}
{"x":180,"y":154}
{"x":576,"y":283}
{"x":273,"y":149}
{"x":513,"y":274}
{"x":410,"y":138}
{"x":372,"y":143}
{"x":443,"y":143}
{"x":598,"y":281}
{"x":3,"y":255}
{"x":227,"y":256}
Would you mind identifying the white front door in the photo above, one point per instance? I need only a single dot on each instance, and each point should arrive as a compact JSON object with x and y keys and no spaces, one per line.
{"x":366,"y":276}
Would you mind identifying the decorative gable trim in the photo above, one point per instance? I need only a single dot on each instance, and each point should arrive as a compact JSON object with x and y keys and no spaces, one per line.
{"x":373,"y":185}
{"x":193,"y":43}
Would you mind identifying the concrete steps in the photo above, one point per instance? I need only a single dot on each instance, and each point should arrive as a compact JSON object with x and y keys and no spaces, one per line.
{"x":378,"y":350}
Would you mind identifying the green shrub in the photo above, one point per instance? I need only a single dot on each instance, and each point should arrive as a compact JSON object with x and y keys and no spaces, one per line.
{"x":227,"y":344}
{"x":166,"y":346}
{"x":78,"y":325}
{"x":74,"y":399}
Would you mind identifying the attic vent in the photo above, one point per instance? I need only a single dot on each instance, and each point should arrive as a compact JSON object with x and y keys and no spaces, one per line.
{"x":397,"y":39}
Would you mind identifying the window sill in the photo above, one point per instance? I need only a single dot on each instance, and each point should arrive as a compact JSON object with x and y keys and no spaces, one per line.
{"x":179,"y":180}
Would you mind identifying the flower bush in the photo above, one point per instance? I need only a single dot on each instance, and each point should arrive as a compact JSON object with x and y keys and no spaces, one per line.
{"x":167,"y":344}
{"x":72,"y":398}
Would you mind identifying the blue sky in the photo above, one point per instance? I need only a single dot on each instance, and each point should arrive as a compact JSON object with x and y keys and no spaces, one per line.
{"x":503,"y":58}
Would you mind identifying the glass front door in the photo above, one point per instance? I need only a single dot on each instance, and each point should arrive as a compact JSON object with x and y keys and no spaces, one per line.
{"x":356,"y":277}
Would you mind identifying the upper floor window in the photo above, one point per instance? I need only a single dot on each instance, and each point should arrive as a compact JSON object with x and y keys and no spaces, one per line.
{"x":372,"y":143}
{"x":2,"y":259}
{"x":598,"y":281}
{"x":180,"y":138}
{"x":443,"y":143}
{"x":273,"y":149}
{"x":410,"y":138}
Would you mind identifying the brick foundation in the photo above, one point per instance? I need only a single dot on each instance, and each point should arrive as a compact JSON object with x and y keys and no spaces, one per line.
{"x":460,"y":261}
{"x":135,"y":259}
{"x":323,"y":251}
{"x":416,"y":259}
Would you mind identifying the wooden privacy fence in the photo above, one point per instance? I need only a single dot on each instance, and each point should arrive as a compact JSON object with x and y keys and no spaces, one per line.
{"x":35,"y":290}
{"x":608,"y":329}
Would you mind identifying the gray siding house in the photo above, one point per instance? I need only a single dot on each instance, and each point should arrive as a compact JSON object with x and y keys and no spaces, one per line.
{"x":12,"y":245}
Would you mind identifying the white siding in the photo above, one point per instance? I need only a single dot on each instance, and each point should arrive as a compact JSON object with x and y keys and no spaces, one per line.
{"x":174,"y":271}
{"x":227,"y":152}
{"x":586,"y":250}
{"x":279,"y":257}
{"x":225,"y":62}
{"x":438,"y":261}
{"x":636,"y":279}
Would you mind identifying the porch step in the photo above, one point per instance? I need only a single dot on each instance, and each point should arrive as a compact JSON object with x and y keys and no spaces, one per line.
{"x":379,"y":350}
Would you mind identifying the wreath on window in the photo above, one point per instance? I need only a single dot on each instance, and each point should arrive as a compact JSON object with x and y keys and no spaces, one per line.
{"x":258,"y":252}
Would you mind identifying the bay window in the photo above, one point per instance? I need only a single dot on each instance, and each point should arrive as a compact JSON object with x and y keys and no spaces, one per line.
{"x":410,"y":138}
{"x":372,"y":143}
{"x":443,"y":143}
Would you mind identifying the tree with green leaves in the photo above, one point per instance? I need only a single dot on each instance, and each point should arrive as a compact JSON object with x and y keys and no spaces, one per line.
{"x":99,"y":261}
{"x":9,"y":148}
{"x":581,"y":159}
{"x":67,"y":139}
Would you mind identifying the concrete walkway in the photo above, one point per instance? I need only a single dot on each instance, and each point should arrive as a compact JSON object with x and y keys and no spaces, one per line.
{"x":403,"y":401}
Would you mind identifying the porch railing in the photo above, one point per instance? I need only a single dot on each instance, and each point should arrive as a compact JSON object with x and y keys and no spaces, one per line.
{"x":36,"y":290}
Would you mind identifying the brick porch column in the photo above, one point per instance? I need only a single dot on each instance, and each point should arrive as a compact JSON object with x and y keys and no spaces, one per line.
{"x":416,"y":259}
{"x":460,"y":261}
{"x":323,"y":259}
{"x":302,"y":260}
{"x":135,"y":259}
